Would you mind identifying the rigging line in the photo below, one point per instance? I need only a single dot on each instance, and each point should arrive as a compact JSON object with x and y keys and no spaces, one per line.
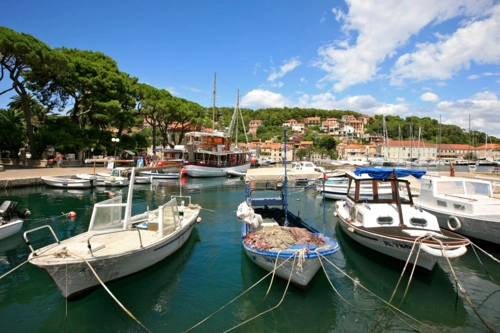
{"x":234,"y":299}
{"x":462,"y":289}
{"x":393,"y":308}
{"x":277,"y":305}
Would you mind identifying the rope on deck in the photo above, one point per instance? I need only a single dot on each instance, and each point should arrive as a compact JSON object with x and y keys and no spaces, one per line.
{"x":272,"y":273}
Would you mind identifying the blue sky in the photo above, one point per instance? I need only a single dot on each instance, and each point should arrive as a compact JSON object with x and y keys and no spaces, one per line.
{"x":395,"y":57}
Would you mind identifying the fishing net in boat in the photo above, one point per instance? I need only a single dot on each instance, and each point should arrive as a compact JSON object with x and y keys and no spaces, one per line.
{"x":277,"y":237}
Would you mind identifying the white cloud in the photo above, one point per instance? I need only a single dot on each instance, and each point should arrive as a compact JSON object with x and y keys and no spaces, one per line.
{"x":259,"y":98}
{"x":173,"y":91}
{"x":473,"y":77}
{"x":288,"y":66}
{"x":400,"y":99}
{"x":430,"y":97}
{"x":303,"y":80}
{"x":382,"y":28}
{"x":477,"y":41}
{"x":483,"y":110}
{"x":362,"y":103}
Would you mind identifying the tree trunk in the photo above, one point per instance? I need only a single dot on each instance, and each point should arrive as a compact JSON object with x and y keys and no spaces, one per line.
{"x":29,"y":126}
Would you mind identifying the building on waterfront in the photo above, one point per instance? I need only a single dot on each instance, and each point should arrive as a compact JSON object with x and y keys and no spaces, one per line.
{"x":407,"y":150}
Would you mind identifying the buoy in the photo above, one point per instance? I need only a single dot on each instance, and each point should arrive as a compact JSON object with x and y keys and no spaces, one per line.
{"x":183,"y":171}
{"x":71,"y":215}
{"x":198,"y":220}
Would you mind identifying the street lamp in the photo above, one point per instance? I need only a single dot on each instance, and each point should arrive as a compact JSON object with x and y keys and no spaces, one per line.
{"x":115,"y":141}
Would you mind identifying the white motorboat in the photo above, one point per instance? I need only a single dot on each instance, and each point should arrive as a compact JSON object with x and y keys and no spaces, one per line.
{"x":123,"y":173}
{"x":159,"y":175}
{"x":67,"y":182}
{"x":273,"y":237}
{"x":11,"y":219}
{"x":391,"y":223}
{"x":116,"y":244}
{"x":464,"y":205}
{"x":336,"y":188}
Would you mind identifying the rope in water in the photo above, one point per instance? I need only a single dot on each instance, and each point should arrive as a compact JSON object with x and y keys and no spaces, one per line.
{"x":244,"y":292}
{"x":109,"y":291}
{"x":393,"y":308}
{"x":265,"y":296}
{"x":477,"y":256}
{"x":462,"y":289}
{"x":399,"y":281}
{"x":274,"y":307}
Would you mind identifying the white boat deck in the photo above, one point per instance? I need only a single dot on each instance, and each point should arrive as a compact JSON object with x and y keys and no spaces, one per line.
{"x":108,"y":244}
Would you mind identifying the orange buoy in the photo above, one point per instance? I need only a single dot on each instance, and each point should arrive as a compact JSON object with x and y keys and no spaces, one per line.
{"x":183,"y":171}
{"x":71,"y":215}
{"x":159,"y":164}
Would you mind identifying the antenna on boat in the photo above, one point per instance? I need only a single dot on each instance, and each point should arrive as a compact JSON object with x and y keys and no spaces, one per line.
{"x":285,"y":183}
{"x":215,"y":94}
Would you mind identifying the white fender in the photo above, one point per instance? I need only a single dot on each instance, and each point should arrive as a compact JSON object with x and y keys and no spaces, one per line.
{"x":438,"y":252}
{"x":456,"y":220}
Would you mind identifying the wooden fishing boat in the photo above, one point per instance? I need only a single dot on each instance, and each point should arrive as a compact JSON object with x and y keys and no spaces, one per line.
{"x":391,"y":223}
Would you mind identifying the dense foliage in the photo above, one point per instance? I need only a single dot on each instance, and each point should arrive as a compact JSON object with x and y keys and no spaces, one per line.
{"x":77,"y":100}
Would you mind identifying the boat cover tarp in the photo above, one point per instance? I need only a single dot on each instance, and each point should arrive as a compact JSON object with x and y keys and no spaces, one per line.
{"x":277,"y":174}
{"x":385,"y":173}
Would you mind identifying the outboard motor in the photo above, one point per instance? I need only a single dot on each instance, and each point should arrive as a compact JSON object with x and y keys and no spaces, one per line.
{"x":9,"y":208}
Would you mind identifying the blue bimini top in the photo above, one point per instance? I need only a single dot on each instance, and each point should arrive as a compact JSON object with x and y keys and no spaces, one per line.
{"x":385,"y":173}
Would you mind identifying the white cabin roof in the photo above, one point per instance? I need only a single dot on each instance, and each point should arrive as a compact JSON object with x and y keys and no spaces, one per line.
{"x":276,"y":174}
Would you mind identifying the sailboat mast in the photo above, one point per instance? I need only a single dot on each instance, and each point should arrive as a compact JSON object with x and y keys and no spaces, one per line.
{"x":215,"y":95}
{"x":238,"y":111}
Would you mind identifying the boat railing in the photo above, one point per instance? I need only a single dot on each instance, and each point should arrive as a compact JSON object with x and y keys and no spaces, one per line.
{"x":181,"y":200}
{"x":25,"y":236}
{"x":112,"y":232}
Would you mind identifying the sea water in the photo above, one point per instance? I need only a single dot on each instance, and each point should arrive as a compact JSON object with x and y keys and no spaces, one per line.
{"x":211,"y":273}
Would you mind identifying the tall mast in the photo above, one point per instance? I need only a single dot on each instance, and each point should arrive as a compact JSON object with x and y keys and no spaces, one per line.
{"x":215,"y":94}
{"x":237,"y":111}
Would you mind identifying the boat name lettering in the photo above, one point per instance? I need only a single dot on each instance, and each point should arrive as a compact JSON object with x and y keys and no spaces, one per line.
{"x":402,"y":246}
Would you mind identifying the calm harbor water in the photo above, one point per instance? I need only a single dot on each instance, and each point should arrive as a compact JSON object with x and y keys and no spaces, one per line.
{"x":211,"y":270}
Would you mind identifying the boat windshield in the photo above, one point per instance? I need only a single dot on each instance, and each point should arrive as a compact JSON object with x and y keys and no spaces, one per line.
{"x":463,"y":187}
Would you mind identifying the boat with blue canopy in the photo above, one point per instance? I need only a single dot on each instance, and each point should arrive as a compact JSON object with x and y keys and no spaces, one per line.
{"x":390,"y":223}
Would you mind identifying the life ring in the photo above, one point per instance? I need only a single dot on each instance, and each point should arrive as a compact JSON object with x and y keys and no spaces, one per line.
{"x":442,"y":252}
{"x":457,"y":222}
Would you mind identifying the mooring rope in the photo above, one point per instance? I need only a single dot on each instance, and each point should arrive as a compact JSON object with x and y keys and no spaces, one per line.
{"x":406,"y":290}
{"x":265,"y":296}
{"x":243,"y":293}
{"x":399,"y":281}
{"x":378,"y":297}
{"x":338,"y":293}
{"x":462,"y":289}
{"x":12,"y":270}
{"x":65,"y":252}
{"x":274,"y":307}
{"x":477,"y":256}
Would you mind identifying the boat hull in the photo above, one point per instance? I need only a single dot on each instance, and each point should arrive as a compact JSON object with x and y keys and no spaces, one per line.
{"x":300,"y":276}
{"x":74,"y":278}
{"x":203,"y":171}
{"x":396,"y":248}
{"x":10,"y":228}
{"x":478,"y":227}
{"x":67,"y":182}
